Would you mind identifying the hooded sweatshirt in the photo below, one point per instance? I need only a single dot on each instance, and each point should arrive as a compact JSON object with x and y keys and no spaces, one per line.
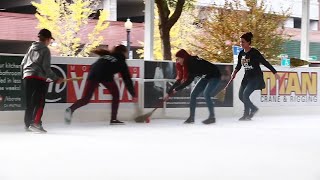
{"x":108,"y":65}
{"x":37,"y":62}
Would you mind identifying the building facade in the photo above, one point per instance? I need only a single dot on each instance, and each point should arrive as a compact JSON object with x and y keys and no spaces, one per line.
{"x":18,"y":29}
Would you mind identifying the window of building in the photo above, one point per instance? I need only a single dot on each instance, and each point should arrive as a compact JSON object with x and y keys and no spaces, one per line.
{"x":297,"y":23}
{"x":313,"y":24}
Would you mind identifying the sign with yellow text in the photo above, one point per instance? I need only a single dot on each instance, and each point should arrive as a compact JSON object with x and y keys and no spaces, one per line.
{"x":299,"y":87}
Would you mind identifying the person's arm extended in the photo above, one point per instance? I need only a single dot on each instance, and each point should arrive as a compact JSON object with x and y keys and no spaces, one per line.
{"x":266,"y":63}
{"x":179,"y":71}
{"x":175,"y":84}
{"x":234,"y":73}
{"x":185,"y":83}
{"x":127,"y":79}
{"x":238,"y":67}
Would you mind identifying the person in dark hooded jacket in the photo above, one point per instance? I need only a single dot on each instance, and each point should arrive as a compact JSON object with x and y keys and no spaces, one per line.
{"x":188,"y":67}
{"x":36,"y":70}
{"x":102,"y":72}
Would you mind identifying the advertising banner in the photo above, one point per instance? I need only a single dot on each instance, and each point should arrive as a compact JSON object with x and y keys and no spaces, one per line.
{"x":295,"y":88}
{"x":57,"y":93}
{"x":71,"y":91}
{"x":165,"y":70}
{"x":75,"y":89}
{"x":11,"y":85}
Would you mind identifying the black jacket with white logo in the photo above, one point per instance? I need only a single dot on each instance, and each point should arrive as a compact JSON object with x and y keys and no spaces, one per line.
{"x":108,"y":65}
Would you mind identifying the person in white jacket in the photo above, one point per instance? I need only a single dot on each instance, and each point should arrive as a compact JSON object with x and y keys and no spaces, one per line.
{"x":35,"y":70}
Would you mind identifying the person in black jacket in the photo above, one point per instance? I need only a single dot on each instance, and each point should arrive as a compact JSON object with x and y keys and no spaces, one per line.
{"x":102,"y":71}
{"x":250,"y":58}
{"x":188,"y":68}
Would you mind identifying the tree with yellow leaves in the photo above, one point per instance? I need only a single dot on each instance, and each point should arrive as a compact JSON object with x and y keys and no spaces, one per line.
{"x":68,"y":20}
{"x":221,"y":27}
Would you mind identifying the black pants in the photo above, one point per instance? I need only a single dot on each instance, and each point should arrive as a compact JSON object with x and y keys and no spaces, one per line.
{"x":36,"y":91}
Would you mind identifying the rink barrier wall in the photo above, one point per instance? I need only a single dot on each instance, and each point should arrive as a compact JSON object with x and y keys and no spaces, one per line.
{"x":299,"y":85}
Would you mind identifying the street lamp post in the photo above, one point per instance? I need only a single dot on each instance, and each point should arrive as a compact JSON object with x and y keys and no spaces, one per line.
{"x":128,"y":26}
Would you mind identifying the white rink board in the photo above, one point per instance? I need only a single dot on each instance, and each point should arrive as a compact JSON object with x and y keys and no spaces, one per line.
{"x":296,"y":87}
{"x":101,"y":111}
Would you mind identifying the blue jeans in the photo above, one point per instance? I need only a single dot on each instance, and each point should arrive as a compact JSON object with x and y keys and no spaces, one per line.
{"x":244,"y":94}
{"x":207,"y":86}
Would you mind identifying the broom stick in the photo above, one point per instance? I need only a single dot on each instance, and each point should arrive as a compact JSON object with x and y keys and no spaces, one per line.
{"x":72,"y":79}
{"x":221,"y":95}
{"x":144,"y":117}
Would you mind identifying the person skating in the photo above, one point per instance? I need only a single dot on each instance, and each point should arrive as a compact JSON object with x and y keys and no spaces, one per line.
{"x":102,"y":72}
{"x":250,"y":58}
{"x":188,"y":67}
{"x":36,"y":69}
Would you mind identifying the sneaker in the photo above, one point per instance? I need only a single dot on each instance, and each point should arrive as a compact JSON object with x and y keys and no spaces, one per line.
{"x":116,"y":122}
{"x":68,"y":116}
{"x":245,"y":117}
{"x":189,"y":121}
{"x":253,"y":112}
{"x":209,"y":120}
{"x":37,"y":128}
{"x":27,"y":129}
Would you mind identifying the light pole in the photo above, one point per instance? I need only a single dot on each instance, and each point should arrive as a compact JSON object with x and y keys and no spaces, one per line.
{"x":128,"y":26}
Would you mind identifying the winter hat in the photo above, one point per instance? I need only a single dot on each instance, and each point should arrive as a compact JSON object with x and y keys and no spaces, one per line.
{"x":45,"y":33}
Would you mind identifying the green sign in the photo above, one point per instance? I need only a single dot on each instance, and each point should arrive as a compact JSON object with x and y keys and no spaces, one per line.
{"x":313,"y":58}
{"x":11,"y":86}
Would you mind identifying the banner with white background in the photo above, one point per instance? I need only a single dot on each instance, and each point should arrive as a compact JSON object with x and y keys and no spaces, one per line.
{"x":296,"y":87}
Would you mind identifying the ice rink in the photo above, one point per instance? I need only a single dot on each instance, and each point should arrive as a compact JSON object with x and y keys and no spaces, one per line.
{"x":267,"y":148}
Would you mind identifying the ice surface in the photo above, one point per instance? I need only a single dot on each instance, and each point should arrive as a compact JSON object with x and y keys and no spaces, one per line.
{"x":267,"y":148}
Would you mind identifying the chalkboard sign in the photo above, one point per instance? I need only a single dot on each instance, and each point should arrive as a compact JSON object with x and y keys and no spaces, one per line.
{"x":11,"y":85}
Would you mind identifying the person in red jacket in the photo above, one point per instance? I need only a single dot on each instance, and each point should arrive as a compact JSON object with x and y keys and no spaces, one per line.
{"x":188,"y":67}
{"x":182,"y":75}
{"x":102,"y":72}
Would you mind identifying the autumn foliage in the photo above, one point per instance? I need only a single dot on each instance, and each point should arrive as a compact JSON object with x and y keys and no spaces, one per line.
{"x":68,"y":21}
{"x":221,"y":26}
